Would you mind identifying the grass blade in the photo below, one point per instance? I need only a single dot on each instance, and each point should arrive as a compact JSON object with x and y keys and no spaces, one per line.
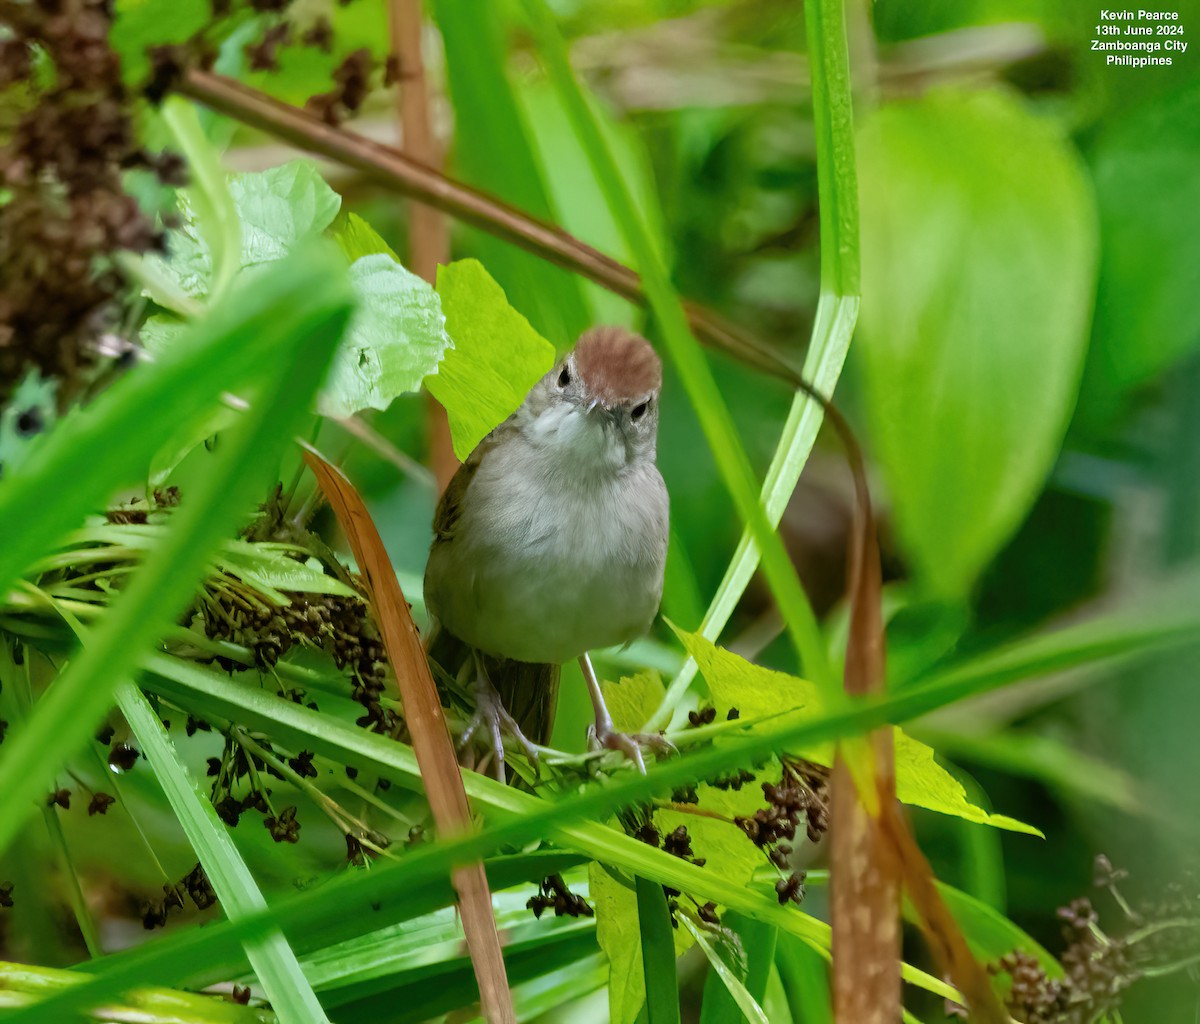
{"x":724,"y":994}
{"x":21,"y":984}
{"x":272,"y":958}
{"x":108,"y":445}
{"x":493,"y":149}
{"x":658,"y":953}
{"x":307,"y":330}
{"x":440,"y":772}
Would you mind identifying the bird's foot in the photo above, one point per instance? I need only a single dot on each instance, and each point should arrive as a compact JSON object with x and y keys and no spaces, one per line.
{"x":631,"y":745}
{"x":491,"y":721}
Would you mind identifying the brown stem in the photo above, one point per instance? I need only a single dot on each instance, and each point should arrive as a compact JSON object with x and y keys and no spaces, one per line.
{"x":428,"y":234}
{"x":397,"y":170}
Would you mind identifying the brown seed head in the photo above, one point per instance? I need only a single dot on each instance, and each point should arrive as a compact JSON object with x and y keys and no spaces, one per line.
{"x":617,"y":366}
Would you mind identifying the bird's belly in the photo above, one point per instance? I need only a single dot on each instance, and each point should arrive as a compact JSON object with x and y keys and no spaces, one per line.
{"x":553,"y":591}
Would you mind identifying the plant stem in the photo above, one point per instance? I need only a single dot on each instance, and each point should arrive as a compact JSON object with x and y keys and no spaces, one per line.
{"x":395,"y":170}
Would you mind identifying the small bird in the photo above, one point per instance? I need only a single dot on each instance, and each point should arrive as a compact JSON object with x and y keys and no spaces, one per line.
{"x":551,"y":539}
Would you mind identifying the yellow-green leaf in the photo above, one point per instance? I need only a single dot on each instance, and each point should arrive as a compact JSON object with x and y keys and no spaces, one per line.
{"x":497,"y":356}
{"x":761,"y":693}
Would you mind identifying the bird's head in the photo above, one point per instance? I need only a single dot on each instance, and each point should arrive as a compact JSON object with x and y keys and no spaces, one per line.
{"x":600,"y":403}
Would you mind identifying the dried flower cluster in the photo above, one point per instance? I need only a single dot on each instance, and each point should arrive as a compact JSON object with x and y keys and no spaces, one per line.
{"x":195,"y":885}
{"x":553,"y":893}
{"x":1099,"y":965}
{"x":67,"y":213}
{"x":801,"y":795}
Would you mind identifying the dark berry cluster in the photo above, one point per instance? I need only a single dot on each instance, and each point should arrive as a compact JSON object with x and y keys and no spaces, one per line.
{"x":236,"y":771}
{"x":6,"y":894}
{"x":352,"y":85}
{"x":195,"y":885}
{"x":553,"y":893}
{"x":802,"y":794}
{"x":66,"y":213}
{"x":341,"y":626}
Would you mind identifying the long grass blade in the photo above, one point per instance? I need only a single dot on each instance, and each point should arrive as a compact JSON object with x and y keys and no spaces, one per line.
{"x":658,"y":953}
{"x":272,"y":958}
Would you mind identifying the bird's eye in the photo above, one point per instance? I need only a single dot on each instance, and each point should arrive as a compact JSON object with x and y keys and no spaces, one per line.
{"x":639,"y":411}
{"x":564,"y":378}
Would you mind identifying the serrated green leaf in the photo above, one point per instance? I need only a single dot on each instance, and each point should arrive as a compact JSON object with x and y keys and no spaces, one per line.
{"x":277,"y":209}
{"x":397,"y":337}
{"x":761,"y":693}
{"x":497,"y":356}
{"x":979,"y":265}
{"x":922,"y":782}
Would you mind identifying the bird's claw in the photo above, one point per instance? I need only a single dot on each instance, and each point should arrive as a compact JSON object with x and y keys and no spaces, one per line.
{"x":492,"y":716}
{"x":631,"y":744}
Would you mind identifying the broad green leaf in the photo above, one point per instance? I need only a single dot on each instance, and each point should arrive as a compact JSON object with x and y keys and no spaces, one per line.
{"x":922,"y":782}
{"x":281,"y":207}
{"x":497,"y":357}
{"x":979,"y":256}
{"x":775,"y":698}
{"x":1148,"y":191}
{"x":397,"y":337}
{"x":277,"y":209}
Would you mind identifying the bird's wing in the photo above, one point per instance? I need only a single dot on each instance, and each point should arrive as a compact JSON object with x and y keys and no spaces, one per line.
{"x":450,"y":505}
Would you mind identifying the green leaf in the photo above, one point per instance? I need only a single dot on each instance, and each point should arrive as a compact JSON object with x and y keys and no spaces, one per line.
{"x":397,"y":337}
{"x":979,"y":253}
{"x":497,"y":357}
{"x":281,"y":207}
{"x":775,"y":698}
{"x":276,"y":210}
{"x":922,"y":782}
{"x":1146,"y":313}
{"x":357,"y":238}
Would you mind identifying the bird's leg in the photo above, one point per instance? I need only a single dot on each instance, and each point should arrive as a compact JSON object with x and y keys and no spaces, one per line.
{"x":603,"y":735}
{"x":491,"y":714}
